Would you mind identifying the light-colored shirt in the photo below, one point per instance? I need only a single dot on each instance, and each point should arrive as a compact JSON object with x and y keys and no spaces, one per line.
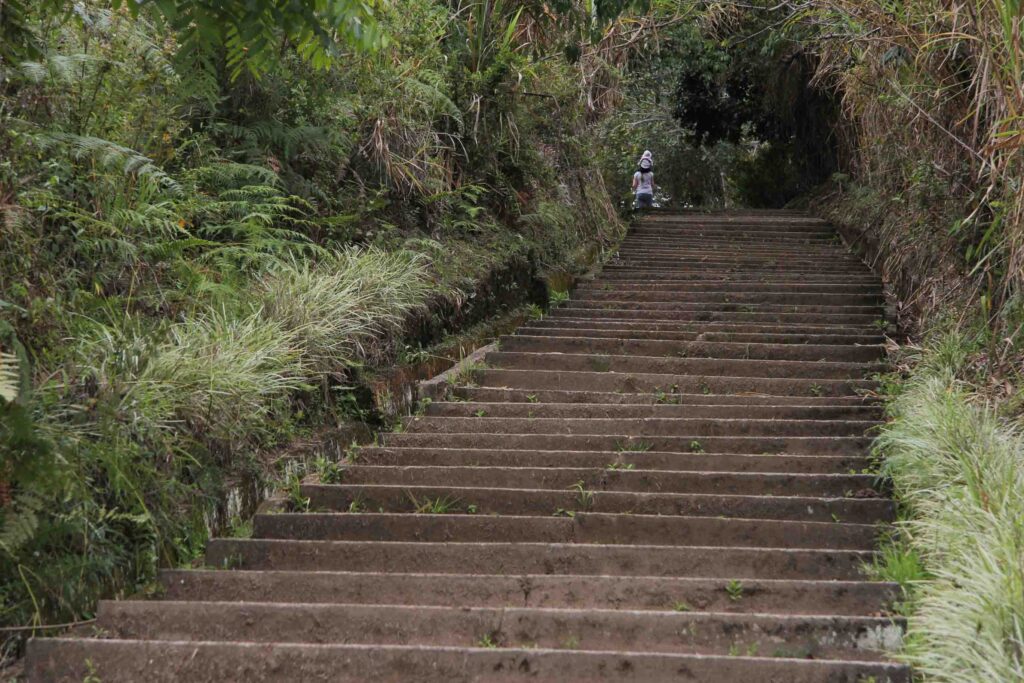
{"x":644,"y":182}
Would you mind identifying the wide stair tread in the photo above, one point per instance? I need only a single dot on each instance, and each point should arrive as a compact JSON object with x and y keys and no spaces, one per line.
{"x":668,"y":477}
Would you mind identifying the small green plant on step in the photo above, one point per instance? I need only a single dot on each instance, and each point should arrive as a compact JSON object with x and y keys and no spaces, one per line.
{"x":584,"y":497}
{"x":562,"y":512}
{"x":480,"y":413}
{"x":613,"y":466}
{"x":557,"y":297}
{"x":441,"y":505}
{"x":735,"y":590}
{"x":293,"y":488}
{"x":817,"y":390}
{"x":488,"y":641}
{"x":532,"y":398}
{"x":681,"y":606}
{"x":696,"y":447}
{"x":358,"y":504}
{"x":327,"y":470}
{"x":631,"y":446}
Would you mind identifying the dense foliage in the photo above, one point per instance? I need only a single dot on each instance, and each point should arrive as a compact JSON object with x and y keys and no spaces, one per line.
{"x":213,"y":218}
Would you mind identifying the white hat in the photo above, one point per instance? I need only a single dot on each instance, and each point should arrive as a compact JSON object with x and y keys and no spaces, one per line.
{"x":647,"y":155}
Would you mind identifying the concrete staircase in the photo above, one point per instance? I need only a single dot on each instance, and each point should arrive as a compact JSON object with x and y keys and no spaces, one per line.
{"x":660,"y":481}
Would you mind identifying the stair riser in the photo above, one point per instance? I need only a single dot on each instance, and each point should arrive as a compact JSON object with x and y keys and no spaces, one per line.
{"x":705,"y":349}
{"x":496,"y":501}
{"x":591,"y":293}
{"x":522,"y":558}
{"x":665,"y":408}
{"x":680,"y":384}
{"x":640,"y":427}
{"x":669,"y":398}
{"x":70,"y":661}
{"x":584,"y":528}
{"x":440,"y":457}
{"x":516,"y":627}
{"x":727,"y":367}
{"x":602,"y":479}
{"x":865,"y":322}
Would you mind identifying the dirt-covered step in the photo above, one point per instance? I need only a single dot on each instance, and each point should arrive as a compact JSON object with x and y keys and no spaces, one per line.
{"x":598,"y":330}
{"x":659,"y":365}
{"x":485,"y":501}
{"x":664,"y":407}
{"x":616,"y":478}
{"x":748,"y":258}
{"x":631,"y":383}
{"x":643,"y":267}
{"x":863,"y":321}
{"x":625,"y":443}
{"x":466,"y":393}
{"x":67,"y":660}
{"x":550,"y":343}
{"x":639,"y":426}
{"x":582,"y":528}
{"x":626,"y":303}
{"x":818,"y":637}
{"x":731,"y":287}
{"x":863,"y":278}
{"x":608,"y":292}
{"x":672,"y":594}
{"x":691,"y":462}
{"x":703,"y":331}
{"x":539,"y":558}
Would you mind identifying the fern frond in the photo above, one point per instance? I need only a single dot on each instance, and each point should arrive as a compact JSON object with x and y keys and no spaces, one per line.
{"x":110,"y":155}
{"x":9,"y":376}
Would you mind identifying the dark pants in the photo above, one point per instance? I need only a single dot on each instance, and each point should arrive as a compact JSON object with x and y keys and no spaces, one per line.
{"x":644,"y":200}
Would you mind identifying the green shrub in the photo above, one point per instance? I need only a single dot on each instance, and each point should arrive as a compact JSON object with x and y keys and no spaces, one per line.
{"x":959,"y":471}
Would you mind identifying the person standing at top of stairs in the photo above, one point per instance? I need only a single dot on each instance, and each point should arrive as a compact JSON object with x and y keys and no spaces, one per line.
{"x":643,"y":181}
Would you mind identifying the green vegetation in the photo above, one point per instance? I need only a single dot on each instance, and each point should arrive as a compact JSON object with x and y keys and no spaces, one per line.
{"x":213,"y":224}
{"x":957,"y":467}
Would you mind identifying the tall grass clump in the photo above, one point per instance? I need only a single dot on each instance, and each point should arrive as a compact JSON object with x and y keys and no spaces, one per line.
{"x":958,"y":470}
{"x":346,"y":309}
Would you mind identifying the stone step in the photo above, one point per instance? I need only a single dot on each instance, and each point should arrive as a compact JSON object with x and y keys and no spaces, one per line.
{"x":739,"y":277}
{"x":551,"y":343}
{"x":652,"y":460}
{"x":582,"y":528}
{"x":732,"y":287}
{"x":487,"y":500}
{"x":864,"y":321}
{"x":703,"y":331}
{"x":818,"y":637}
{"x":634,"y":382}
{"x":625,"y":443}
{"x":66,"y":660}
{"x":605,"y":479}
{"x":609,"y":293}
{"x":665,"y":407}
{"x":539,"y":558}
{"x":626,"y":303}
{"x":659,"y":365}
{"x":660,"y":594}
{"x":505,"y":395}
{"x":638,"y":426}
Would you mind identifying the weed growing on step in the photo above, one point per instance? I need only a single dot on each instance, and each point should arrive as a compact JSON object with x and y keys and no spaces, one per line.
{"x":327,"y":470}
{"x":696,"y":447}
{"x":557,"y":298}
{"x":633,"y":446}
{"x":613,"y":466}
{"x":571,"y":643}
{"x":681,"y":606}
{"x":358,"y":504}
{"x":293,"y":490}
{"x":480,"y":413}
{"x":601,"y":364}
{"x":532,"y":398}
{"x":422,"y":405}
{"x":735,"y":590}
{"x":441,"y":505}
{"x":817,"y":390}
{"x":562,"y":512}
{"x":584,"y":498}
{"x":487,"y":641}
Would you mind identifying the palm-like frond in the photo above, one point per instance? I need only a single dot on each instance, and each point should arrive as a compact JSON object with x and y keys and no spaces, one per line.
{"x":8,"y":376}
